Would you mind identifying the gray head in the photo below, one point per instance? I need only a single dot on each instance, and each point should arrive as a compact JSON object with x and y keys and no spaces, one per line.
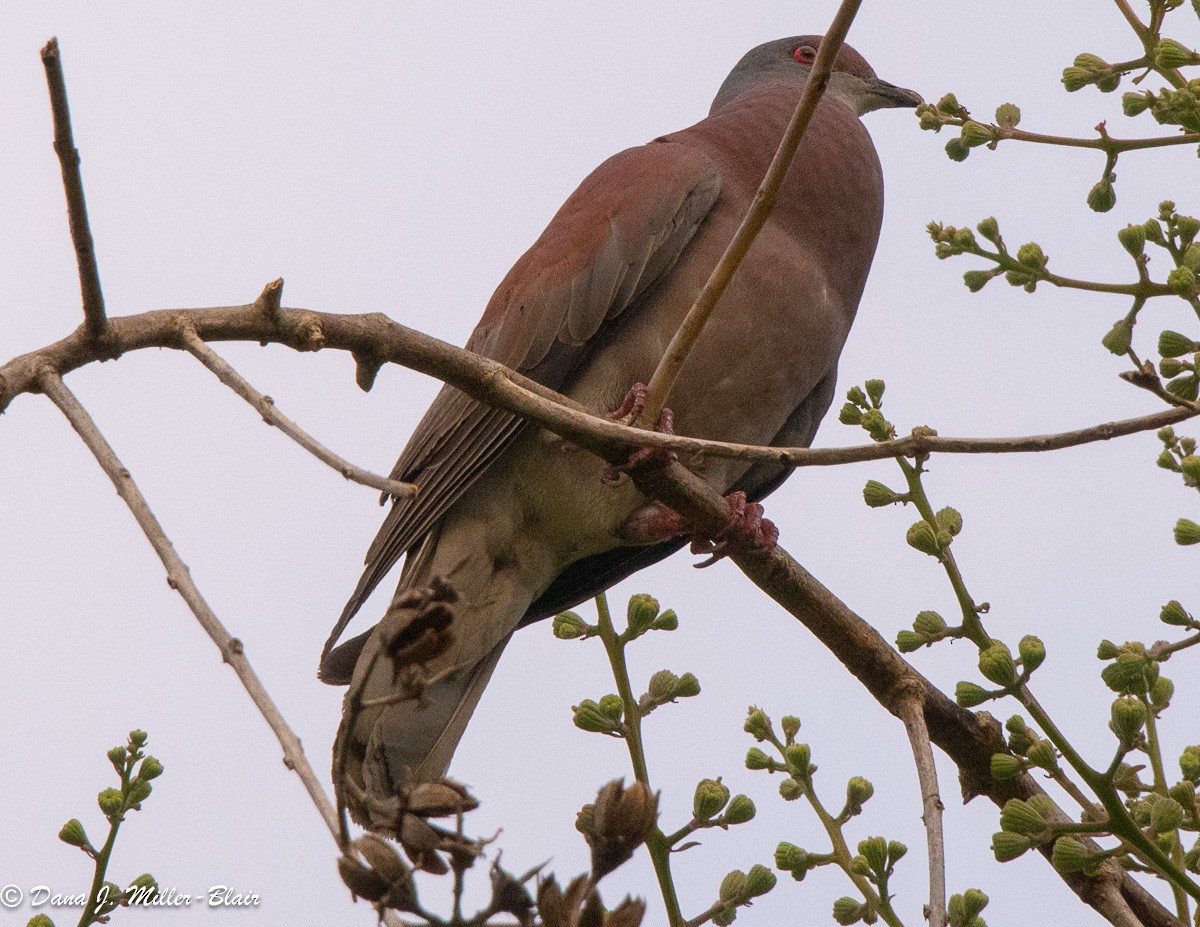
{"x":789,"y":61}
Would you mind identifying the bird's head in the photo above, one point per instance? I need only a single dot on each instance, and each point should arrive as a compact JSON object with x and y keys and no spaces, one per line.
{"x":789,"y":61}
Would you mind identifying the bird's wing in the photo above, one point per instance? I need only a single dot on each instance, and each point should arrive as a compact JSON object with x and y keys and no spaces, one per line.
{"x":622,"y":230}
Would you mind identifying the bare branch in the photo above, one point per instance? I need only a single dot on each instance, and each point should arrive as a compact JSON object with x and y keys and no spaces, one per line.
{"x":912,"y":714}
{"x":68,"y":159}
{"x":179,"y":578}
{"x":676,"y":355}
{"x":265,"y":406}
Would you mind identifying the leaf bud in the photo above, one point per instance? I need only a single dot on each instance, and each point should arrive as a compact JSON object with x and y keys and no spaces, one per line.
{"x":1006,"y":766}
{"x":1128,"y":719}
{"x":989,"y":228}
{"x":1182,"y":282}
{"x":1076,"y":78}
{"x":1119,"y":337}
{"x":569,"y":626}
{"x":139,"y":790}
{"x":790,"y":789}
{"x":876,"y":425}
{"x":1043,"y":755}
{"x":1154,"y":232}
{"x":1171,"y":367}
{"x":589,"y":717}
{"x":1008,"y":846}
{"x":1022,"y":817}
{"x":1187,"y":532}
{"x":874,"y":851}
{"x":116,"y":756}
{"x":612,"y":707}
{"x":968,"y":694}
{"x":757,"y":759}
{"x":975,"y":134}
{"x":930,"y":624}
{"x":950,"y":521}
{"x":1031,"y":255}
{"x":1173,"y":613}
{"x":976,"y":280}
{"x":790,"y":858}
{"x":798,"y":758}
{"x":758,"y":725}
{"x":667,"y":621}
{"x":1102,"y":197}
{"x":1166,"y":815}
{"x":759,"y":881}
{"x":1032,"y":652}
{"x":640,"y":614}
{"x":858,"y":793}
{"x":1007,"y":115}
{"x":791,"y":727}
{"x":875,"y":390}
{"x":968,"y":906}
{"x":850,"y":414}
{"x":949,"y":105}
{"x":996,"y":665}
{"x":711,"y":796}
{"x":1171,"y":54}
{"x":909,"y":641}
{"x":687,"y":687}
{"x":876,"y":495}
{"x":922,"y":537}
{"x":733,"y":887}
{"x":1189,"y":763}
{"x":151,"y":768}
{"x":847,"y":911}
{"x":1135,"y":103}
{"x":1133,"y":239}
{"x":137,"y":739}
{"x":1107,"y":650}
{"x":1183,"y":387}
{"x":856,"y":395}
{"x":1187,"y":227}
{"x":1070,"y":855}
{"x":741,"y":809}
{"x":73,"y":834}
{"x":1161,"y":693}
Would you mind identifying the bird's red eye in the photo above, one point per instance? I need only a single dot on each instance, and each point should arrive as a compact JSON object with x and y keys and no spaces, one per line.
{"x":805,"y":54}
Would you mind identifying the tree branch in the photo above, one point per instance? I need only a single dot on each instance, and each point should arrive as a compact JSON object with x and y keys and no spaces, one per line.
{"x":913,"y":716}
{"x":667,"y":372}
{"x":179,"y":578}
{"x":265,"y":406}
{"x":68,"y":159}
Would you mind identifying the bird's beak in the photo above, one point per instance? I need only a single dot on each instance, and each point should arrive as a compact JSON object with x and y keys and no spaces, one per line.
{"x":882,"y":95}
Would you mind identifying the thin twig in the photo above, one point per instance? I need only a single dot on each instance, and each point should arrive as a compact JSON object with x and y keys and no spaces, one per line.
{"x":272,"y":416}
{"x":68,"y":159}
{"x":663,"y":381}
{"x":912,"y":713}
{"x":179,"y":578}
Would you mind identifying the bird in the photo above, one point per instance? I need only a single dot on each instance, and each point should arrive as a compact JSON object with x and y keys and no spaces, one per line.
{"x":523,"y":525}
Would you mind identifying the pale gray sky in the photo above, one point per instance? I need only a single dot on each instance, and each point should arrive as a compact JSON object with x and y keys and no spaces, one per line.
{"x":398,"y":157}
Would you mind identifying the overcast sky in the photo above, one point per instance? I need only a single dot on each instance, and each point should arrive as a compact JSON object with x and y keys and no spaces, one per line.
{"x":398,"y":157}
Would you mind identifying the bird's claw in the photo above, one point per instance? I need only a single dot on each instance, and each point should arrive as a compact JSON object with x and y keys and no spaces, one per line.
{"x":747,"y":530}
{"x":644,"y":458}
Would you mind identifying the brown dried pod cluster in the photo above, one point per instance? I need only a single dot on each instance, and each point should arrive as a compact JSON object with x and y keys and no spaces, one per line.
{"x":617,"y":823}
{"x":580,"y":906}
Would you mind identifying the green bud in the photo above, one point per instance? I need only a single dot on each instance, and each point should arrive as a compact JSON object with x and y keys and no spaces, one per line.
{"x":687,"y":687}
{"x":1006,"y":766}
{"x":1107,"y":650}
{"x":1108,"y":83}
{"x":1043,"y":755}
{"x":922,"y":537}
{"x":1183,"y":387}
{"x":874,"y":851}
{"x":798,"y":758}
{"x":733,"y":887}
{"x":1174,"y":614}
{"x":137,"y":739}
{"x":896,"y":852}
{"x":1184,"y":792}
{"x":758,"y":725}
{"x":847,"y":911}
{"x":1187,"y":532}
{"x":1076,"y":79}
{"x":1007,"y":115}
{"x":711,"y":796}
{"x":667,"y":621}
{"x":908,"y":641}
{"x":116,"y":756}
{"x":759,"y":881}
{"x":957,"y":150}
{"x":930,"y":624}
{"x":1007,"y":846}
{"x":975,"y":134}
{"x":139,"y":791}
{"x":39,"y":920}
{"x":858,"y":793}
{"x":850,"y":414}
{"x":642,"y":611}
{"x":724,"y":917}
{"x":876,"y":425}
{"x":151,"y":768}
{"x":569,"y":626}
{"x":1031,"y":255}
{"x":1128,"y":719}
{"x":1189,"y":763}
{"x":1022,"y":817}
{"x":1135,"y":103}
{"x":929,"y":121}
{"x":976,"y":280}
{"x":856,"y":395}
{"x":790,"y":789}
{"x":950,"y":521}
{"x":1119,"y":337}
{"x":662,"y":686}
{"x":111,"y":802}
{"x":989,"y":228}
{"x":1171,"y":54}
{"x":875,"y":390}
{"x":1102,"y":197}
{"x":970,"y":905}
{"x":968,"y":695}
{"x":589,"y":717}
{"x":1032,"y":652}
{"x":73,"y":834}
{"x":757,"y":759}
{"x":791,"y":727}
{"x":876,"y":495}
{"x":949,"y":105}
{"x":1171,"y":367}
{"x":1182,"y":282}
{"x":1186,"y":227}
{"x":790,"y":858}
{"x":1070,"y":855}
{"x":1166,"y":815}
{"x":612,"y":707}
{"x":741,"y":809}
{"x":996,"y":665}
{"x":1161,"y":692}
{"x":1154,"y":232}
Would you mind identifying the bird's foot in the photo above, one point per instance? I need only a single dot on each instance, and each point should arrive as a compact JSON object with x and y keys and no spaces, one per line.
{"x":644,"y":458}
{"x":747,"y":530}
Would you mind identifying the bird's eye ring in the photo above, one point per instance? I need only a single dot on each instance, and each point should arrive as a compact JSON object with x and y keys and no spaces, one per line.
{"x":805,"y":54}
